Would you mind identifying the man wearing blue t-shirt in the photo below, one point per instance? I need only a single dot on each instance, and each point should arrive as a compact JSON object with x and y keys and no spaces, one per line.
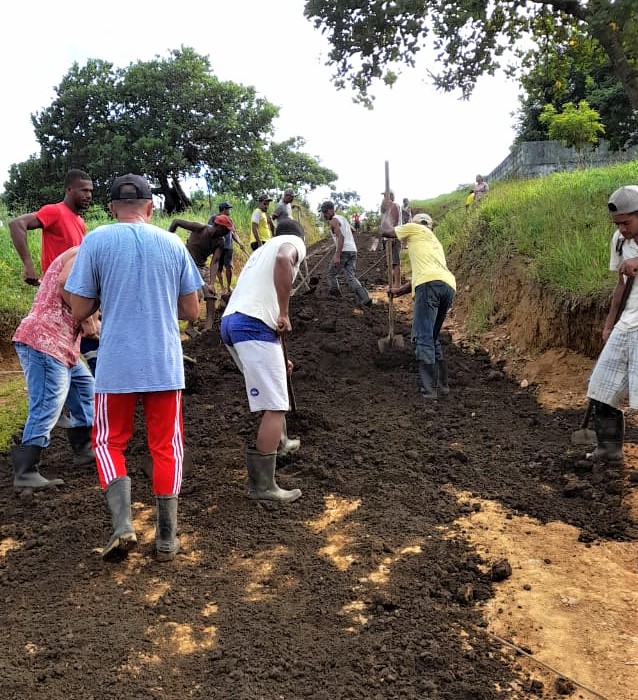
{"x":145,"y":280}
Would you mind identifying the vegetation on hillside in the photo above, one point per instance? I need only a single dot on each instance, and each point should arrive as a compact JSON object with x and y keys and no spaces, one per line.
{"x":111,"y":121}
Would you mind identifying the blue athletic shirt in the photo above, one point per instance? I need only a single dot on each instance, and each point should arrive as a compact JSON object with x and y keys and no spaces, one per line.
{"x":137,"y":271}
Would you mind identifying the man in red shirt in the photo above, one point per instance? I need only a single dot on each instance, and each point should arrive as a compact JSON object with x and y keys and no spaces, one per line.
{"x":61,"y":224}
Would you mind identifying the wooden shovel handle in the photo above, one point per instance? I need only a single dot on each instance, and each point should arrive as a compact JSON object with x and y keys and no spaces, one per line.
{"x":291,"y":391}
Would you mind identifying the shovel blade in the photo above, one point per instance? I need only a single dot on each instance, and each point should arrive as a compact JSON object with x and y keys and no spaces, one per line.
{"x":390,"y":341}
{"x":583,"y":437}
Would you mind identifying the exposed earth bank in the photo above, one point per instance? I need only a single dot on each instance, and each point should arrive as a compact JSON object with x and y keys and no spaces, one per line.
{"x":385,"y":580}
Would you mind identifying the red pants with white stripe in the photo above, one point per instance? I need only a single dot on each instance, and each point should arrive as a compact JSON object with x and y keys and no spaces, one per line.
{"x":113,"y":428}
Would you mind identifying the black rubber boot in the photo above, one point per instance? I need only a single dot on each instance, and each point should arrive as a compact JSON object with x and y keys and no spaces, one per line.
{"x":80,"y":441}
{"x":442,"y":386}
{"x":123,"y":539}
{"x":167,"y":543}
{"x":261,"y":478}
{"x":427,"y":380}
{"x":609,"y":424}
{"x":26,"y":460}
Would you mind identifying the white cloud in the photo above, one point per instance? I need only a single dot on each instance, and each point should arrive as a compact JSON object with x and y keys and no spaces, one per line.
{"x":433,"y":141}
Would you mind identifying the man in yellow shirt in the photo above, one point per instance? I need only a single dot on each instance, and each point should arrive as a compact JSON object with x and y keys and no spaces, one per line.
{"x":261,"y":225}
{"x":433,"y":288}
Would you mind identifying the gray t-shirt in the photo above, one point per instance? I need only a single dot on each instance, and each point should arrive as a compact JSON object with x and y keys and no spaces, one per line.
{"x":282,"y":211}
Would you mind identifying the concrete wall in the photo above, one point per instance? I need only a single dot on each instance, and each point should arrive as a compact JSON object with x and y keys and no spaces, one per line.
{"x":537,"y":158}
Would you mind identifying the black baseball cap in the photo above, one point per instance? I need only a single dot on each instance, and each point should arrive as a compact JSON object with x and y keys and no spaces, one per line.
{"x":130,"y":187}
{"x":225,"y":205}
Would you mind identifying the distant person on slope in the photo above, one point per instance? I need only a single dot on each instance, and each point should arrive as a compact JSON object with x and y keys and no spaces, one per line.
{"x":261,"y":224}
{"x":615,"y":374}
{"x":433,"y":288}
{"x":226,"y":259}
{"x":480,"y":189}
{"x":345,"y":257}
{"x":204,"y":241}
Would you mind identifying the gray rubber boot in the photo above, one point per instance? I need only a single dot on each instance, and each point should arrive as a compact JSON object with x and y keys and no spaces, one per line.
{"x":261,"y":478}
{"x":123,"y":539}
{"x":25,"y":459}
{"x":287,"y":445}
{"x":442,"y":386}
{"x":609,"y":424}
{"x":427,"y":380}
{"x":80,"y":441}
{"x":167,"y":543}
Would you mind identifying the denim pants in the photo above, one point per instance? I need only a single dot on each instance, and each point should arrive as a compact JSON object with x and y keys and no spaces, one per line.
{"x":348,"y":263}
{"x":432,"y":301}
{"x":51,"y":384}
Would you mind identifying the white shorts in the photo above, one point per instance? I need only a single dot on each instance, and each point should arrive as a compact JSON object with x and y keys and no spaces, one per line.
{"x":615,"y":374}
{"x":264,"y":369}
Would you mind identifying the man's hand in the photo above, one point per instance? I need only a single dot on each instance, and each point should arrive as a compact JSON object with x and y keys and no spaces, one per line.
{"x":629,"y":267}
{"x":336,"y":261}
{"x":283,"y":324}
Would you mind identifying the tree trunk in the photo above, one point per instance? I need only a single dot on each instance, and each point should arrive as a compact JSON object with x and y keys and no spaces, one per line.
{"x":610,"y":40}
{"x":175,"y":199}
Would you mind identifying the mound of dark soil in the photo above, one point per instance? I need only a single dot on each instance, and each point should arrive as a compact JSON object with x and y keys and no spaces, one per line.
{"x":364,"y":588}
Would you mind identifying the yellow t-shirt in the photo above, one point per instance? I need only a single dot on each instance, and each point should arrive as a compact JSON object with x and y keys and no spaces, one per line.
{"x":259,"y":217}
{"x":470,"y":199}
{"x":427,"y":258}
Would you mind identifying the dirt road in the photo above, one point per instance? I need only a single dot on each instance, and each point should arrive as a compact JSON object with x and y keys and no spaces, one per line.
{"x":376,"y":583}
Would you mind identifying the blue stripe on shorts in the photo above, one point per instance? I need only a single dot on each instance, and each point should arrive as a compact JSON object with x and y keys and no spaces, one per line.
{"x":238,"y":328}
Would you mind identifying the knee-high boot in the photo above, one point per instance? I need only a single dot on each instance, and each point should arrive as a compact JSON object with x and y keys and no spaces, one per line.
{"x":609,"y":424}
{"x":167,"y":543}
{"x":118,"y":499}
{"x":26,"y":460}
{"x":261,"y":478}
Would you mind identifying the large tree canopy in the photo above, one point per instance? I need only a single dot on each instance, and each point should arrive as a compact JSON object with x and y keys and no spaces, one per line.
{"x":169,"y":119}
{"x":470,"y":37}
{"x":571,"y":72}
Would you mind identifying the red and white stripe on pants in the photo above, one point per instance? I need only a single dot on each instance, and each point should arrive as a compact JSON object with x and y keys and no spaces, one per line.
{"x":113,"y":428}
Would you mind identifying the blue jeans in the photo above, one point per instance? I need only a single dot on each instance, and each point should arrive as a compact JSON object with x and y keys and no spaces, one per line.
{"x":347,"y":263}
{"x":51,"y":384}
{"x":432,"y":301}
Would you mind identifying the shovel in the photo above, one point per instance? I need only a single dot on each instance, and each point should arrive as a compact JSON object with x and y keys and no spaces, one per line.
{"x":584,"y":436}
{"x":391,"y":340}
{"x":291,"y":391}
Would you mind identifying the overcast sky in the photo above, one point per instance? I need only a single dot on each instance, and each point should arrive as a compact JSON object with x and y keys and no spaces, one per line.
{"x":433,"y":141}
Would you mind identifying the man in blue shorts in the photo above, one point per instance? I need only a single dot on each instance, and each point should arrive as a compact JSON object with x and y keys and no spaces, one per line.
{"x":252,"y":326}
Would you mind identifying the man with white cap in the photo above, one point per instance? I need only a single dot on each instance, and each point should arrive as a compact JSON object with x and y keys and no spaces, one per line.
{"x":433,"y":288}
{"x":615,"y":374}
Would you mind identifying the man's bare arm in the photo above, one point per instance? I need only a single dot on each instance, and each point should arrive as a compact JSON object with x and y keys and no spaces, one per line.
{"x":82,"y":307}
{"x":18,"y":228}
{"x":188,"y":307}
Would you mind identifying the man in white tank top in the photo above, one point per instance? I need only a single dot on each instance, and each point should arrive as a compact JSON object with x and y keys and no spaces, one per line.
{"x":345,"y":257}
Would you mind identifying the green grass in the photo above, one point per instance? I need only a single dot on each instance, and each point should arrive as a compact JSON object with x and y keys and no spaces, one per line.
{"x":13,"y":410}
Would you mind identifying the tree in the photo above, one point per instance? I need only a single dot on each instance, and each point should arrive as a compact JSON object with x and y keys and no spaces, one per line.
{"x":470,"y":37}
{"x":577,"y":70}
{"x":293,"y":168}
{"x":576,"y":127}
{"x":169,"y":119}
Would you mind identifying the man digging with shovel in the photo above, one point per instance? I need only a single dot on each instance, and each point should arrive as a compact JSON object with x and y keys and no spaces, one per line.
{"x":433,"y":288}
{"x":616,"y":372}
{"x":254,"y":326}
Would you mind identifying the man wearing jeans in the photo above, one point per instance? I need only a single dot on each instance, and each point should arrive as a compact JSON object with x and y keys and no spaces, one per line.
{"x":433,"y":288}
{"x":345,"y":257}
